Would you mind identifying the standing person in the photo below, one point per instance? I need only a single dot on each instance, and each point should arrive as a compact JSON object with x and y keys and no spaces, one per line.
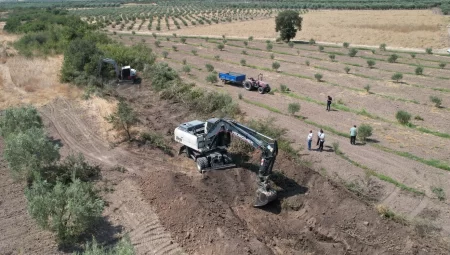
{"x":322,"y":140}
{"x":329,"y":103}
{"x":310,"y":137}
{"x":353,"y":135}
{"x":318,"y":137}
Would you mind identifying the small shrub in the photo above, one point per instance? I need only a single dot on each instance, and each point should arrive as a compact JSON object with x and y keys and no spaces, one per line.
{"x":312,"y":41}
{"x":307,"y":62}
{"x":250,"y":38}
{"x":18,"y":120}
{"x":293,"y":108}
{"x":442,"y":65}
{"x":123,"y":247}
{"x":429,"y":50}
{"x":393,"y":58}
{"x":156,"y":140}
{"x":186,"y":69}
{"x":240,"y":96}
{"x":284,"y":88}
{"x":373,"y":51}
{"x":132,"y":32}
{"x":439,"y":192}
{"x":244,"y":52}
{"x":174,"y":35}
{"x":154,"y":35}
{"x":174,"y":48}
{"x":371,"y":63}
{"x":245,"y":43}
{"x":143,"y":40}
{"x":321,"y":48}
{"x":419,"y":70}
{"x":403,"y":117}
{"x":383,"y":47}
{"x":336,"y":148}
{"x":352,"y":52}
{"x":123,"y":118}
{"x":165,"y":54}
{"x":291,"y":44}
{"x":194,"y":52}
{"x":217,"y":57}
{"x":269,"y":47}
{"x":275,"y":66}
{"x":397,"y":77}
{"x":220,"y":46}
{"x":364,"y":131}
{"x":209,"y":67}
{"x":347,"y":69}
{"x":413,"y":55}
{"x":318,"y":76}
{"x":184,"y":61}
{"x":157,"y":43}
{"x":436,"y":100}
{"x":243,"y":62}
{"x":332,"y":57}
{"x":211,"y":78}
{"x":367,"y":88}
{"x":346,"y":44}
{"x":417,"y":117}
{"x":224,"y":41}
{"x":183,"y":39}
{"x":272,"y":56}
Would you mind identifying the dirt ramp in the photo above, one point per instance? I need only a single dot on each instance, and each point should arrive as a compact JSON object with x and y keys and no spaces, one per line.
{"x":213,"y":214}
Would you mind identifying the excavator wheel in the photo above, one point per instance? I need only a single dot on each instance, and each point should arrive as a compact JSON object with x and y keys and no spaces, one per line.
{"x":264,"y":197}
{"x":202,"y":163}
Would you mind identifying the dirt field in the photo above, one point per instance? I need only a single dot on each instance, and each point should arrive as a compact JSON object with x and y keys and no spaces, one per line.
{"x":167,"y":207}
{"x":410,"y":29}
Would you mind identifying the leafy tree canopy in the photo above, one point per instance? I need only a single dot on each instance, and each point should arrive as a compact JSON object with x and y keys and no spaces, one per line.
{"x":288,"y":23}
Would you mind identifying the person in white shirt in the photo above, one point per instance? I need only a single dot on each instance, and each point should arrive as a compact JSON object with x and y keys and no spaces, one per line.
{"x":322,"y":140}
{"x":309,"y":139}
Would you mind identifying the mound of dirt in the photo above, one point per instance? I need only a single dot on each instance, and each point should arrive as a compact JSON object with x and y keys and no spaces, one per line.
{"x":212,"y":214}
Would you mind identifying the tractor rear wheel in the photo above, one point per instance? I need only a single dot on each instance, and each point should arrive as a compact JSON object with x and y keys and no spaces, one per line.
{"x":202,"y":163}
{"x":261,"y":90}
{"x":247,"y":85}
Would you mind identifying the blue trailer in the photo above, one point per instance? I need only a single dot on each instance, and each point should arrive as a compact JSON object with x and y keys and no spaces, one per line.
{"x":232,"y":77}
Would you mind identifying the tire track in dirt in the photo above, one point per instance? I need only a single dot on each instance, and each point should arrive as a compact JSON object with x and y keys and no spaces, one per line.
{"x":129,"y":209}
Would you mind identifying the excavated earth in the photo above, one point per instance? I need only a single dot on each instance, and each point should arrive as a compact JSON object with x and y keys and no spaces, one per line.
{"x":167,"y":207}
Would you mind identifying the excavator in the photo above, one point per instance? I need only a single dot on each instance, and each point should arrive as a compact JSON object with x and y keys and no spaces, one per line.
{"x":207,"y":142}
{"x":126,"y":73}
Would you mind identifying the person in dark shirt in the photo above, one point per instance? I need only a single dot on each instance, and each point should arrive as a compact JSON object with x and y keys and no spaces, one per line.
{"x":329,"y":103}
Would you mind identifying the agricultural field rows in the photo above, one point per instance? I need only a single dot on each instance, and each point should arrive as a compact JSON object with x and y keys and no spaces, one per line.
{"x":353,"y":103}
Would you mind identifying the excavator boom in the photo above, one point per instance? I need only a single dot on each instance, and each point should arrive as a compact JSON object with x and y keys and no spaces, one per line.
{"x":207,"y":143}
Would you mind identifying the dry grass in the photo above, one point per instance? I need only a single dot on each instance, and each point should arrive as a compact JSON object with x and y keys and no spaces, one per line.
{"x":32,"y":81}
{"x":400,"y":28}
{"x":98,"y":108}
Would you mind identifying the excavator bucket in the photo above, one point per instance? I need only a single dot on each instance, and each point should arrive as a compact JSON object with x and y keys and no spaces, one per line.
{"x":264,"y":197}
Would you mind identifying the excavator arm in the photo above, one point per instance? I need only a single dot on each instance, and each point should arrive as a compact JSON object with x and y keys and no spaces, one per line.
{"x":267,"y":146}
{"x":109,"y":61}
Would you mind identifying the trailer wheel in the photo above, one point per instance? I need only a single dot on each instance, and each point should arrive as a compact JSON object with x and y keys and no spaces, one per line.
{"x":261,"y":90}
{"x":267,"y":89}
{"x":202,"y":163}
{"x":247,"y":85}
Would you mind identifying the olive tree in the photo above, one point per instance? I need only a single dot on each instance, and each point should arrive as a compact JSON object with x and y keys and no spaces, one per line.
{"x":68,"y":209}
{"x":16,"y":120}
{"x":288,"y":23}
{"x":123,"y":118}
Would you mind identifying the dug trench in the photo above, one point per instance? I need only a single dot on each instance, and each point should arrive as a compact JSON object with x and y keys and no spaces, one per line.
{"x":169,"y":208}
{"x":212,"y":213}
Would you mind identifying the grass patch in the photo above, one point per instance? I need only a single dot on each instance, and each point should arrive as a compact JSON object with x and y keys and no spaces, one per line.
{"x":267,"y":107}
{"x":387,"y":213}
{"x":157,"y":140}
{"x":439,"y":192}
{"x":430,"y":162}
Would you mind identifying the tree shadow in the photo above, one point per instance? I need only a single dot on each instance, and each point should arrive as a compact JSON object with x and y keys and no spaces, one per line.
{"x":54,"y":141}
{"x":104,"y":233}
